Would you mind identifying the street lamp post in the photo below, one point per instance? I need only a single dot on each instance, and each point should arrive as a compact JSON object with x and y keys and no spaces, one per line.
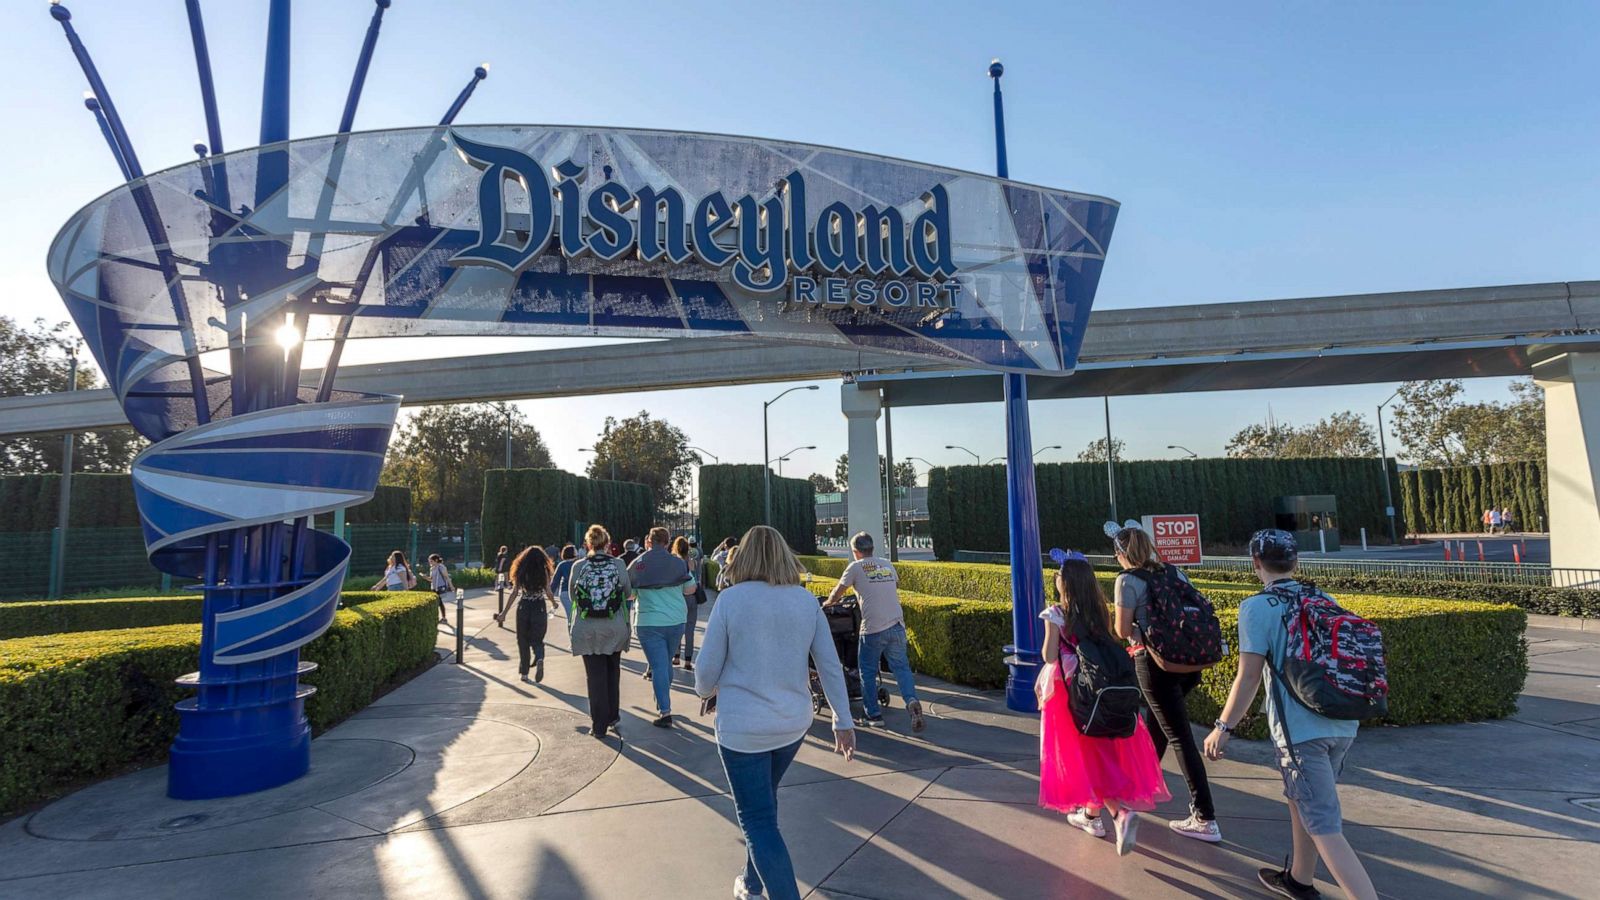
{"x":780,"y":460}
{"x":766,"y":470}
{"x":596,"y":452}
{"x":1383,"y":463}
{"x":1043,"y":449}
{"x":714,"y":458}
{"x":976,"y":458}
{"x":991,"y":461}
{"x":508,"y":435}
{"x":1191,"y":453}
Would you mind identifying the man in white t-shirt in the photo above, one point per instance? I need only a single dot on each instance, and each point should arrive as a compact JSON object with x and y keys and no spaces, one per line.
{"x":883,"y":630}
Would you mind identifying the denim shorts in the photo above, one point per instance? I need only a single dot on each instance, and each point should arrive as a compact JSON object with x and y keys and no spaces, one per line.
{"x":1311,"y":785}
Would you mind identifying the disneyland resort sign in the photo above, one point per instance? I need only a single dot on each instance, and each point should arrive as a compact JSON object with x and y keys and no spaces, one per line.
{"x":866,"y":257}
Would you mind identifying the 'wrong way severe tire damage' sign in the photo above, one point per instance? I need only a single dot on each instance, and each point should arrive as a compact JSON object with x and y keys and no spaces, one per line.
{"x":1177,"y":538}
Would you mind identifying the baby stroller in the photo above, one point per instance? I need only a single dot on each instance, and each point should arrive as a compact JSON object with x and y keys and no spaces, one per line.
{"x":844,"y":621}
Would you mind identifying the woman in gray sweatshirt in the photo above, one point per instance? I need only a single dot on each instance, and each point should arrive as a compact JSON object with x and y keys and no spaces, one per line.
{"x":753,"y":661}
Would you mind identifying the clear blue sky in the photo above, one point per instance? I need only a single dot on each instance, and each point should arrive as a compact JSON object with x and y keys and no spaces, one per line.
{"x":1259,"y":150}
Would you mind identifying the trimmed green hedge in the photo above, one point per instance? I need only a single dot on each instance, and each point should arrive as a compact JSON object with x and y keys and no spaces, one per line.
{"x":549,"y":506}
{"x":36,"y":617}
{"x":967,"y":504}
{"x":1449,"y":660}
{"x":733,"y":498}
{"x":77,"y":706}
{"x":1539,"y":599}
{"x":1438,"y":501}
{"x":105,"y":500}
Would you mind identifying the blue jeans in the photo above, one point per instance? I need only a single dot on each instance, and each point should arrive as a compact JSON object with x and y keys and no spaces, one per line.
{"x":889,"y":642}
{"x":659,"y":642}
{"x":753,"y":778}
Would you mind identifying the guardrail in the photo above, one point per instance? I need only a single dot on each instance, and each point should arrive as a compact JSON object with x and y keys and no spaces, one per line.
{"x":1530,"y":574}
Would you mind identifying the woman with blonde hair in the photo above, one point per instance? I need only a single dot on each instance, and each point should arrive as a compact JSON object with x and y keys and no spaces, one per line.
{"x":599,"y":627}
{"x":762,"y":630}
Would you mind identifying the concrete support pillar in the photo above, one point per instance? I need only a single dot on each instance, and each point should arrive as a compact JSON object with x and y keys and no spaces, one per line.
{"x":864,"y":500}
{"x":1571,"y":385}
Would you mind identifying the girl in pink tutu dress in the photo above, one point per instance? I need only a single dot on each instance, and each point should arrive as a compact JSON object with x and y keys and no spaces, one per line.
{"x":1080,"y":775}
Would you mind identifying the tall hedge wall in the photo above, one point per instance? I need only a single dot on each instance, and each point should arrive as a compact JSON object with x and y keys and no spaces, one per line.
{"x":1437,"y":501}
{"x":1234,"y":497}
{"x":732,"y":498}
{"x":544,"y":506}
{"x":30,"y":503}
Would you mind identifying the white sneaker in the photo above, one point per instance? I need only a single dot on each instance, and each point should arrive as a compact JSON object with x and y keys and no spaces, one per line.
{"x":1094,"y":826}
{"x":740,"y":892}
{"x":1198,"y":828}
{"x":1127,"y":825}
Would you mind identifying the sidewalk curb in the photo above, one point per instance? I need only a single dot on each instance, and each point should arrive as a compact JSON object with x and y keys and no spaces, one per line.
{"x":1569,"y":623}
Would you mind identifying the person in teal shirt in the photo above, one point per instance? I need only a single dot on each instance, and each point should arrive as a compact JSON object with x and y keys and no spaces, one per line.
{"x":664,"y":587}
{"x":1311,"y":747}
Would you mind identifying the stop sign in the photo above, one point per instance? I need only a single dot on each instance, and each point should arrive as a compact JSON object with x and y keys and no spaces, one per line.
{"x":1177,"y":537}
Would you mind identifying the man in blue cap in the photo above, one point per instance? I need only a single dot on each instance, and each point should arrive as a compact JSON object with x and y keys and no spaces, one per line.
{"x":1311,"y":747}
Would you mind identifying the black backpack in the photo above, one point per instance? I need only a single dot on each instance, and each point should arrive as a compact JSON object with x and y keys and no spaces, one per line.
{"x":598,"y":592}
{"x":1183,"y":634}
{"x":1104,"y":693}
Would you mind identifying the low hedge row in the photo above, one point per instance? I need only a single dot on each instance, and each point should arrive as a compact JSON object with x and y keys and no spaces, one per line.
{"x":35,"y":617}
{"x":76,"y":706}
{"x":1539,"y":599}
{"x":1449,"y":660}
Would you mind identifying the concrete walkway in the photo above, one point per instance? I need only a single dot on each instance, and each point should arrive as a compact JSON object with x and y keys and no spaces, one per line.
{"x":467,"y":783}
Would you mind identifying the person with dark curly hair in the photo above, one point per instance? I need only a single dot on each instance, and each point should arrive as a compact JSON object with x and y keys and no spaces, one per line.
{"x":531,"y":597}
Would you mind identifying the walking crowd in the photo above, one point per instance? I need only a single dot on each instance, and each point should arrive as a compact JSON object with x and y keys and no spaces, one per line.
{"x":1111,"y":690}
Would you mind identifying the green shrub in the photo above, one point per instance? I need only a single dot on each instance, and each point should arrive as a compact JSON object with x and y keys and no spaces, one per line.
{"x":1445,"y":500}
{"x":1449,"y":660}
{"x":26,"y":619}
{"x":76,"y":706}
{"x":967,"y":504}
{"x":733,"y":498}
{"x":1539,"y":599}
{"x":543,"y":506}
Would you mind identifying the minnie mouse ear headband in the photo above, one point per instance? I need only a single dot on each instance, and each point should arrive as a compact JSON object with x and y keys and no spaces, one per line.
{"x":1060,"y":556}
{"x":1112,"y":530}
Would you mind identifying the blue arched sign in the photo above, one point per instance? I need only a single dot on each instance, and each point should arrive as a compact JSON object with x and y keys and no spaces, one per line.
{"x":182,"y":283}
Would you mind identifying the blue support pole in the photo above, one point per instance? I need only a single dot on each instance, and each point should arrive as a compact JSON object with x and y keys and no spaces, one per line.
{"x":478,"y":74}
{"x":93,"y":105}
{"x":202,"y":63}
{"x":359,"y":79}
{"x":124,"y":146}
{"x":1022,"y":502}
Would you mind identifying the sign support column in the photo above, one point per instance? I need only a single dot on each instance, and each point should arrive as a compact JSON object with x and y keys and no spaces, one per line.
{"x":1022,"y":502}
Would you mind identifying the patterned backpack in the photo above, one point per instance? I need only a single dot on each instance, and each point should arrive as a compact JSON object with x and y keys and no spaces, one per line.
{"x":1182,"y":632}
{"x":1333,"y":663}
{"x":597,"y":593}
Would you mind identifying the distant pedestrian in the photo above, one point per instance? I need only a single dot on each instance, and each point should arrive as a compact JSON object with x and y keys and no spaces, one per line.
{"x":1508,"y":520}
{"x":883,"y":630}
{"x":761,"y":632}
{"x":663,"y":587}
{"x":684,"y":550}
{"x":397,"y":575}
{"x":439,"y":580}
{"x":502,"y":566}
{"x":561,"y":583}
{"x":1495,"y":520}
{"x":630,"y":551}
{"x":1166,"y":712}
{"x":599,"y":627}
{"x":1080,"y":773}
{"x":1488,"y":521}
{"x":530,"y":595}
{"x":1311,"y":747}
{"x":723,"y":558}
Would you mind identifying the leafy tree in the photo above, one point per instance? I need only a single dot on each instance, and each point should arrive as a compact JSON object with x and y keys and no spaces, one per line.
{"x":905,"y":473}
{"x":1343,"y":434}
{"x":1096,"y":451}
{"x":34,"y":361}
{"x":822,"y":484}
{"x":1437,"y":429}
{"x":443,"y":451}
{"x":646,"y":451}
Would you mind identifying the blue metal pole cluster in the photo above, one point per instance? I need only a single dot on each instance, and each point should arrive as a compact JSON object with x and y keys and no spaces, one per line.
{"x":1022,"y":501}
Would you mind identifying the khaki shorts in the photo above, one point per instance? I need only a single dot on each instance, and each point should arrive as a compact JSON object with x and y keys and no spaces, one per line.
{"x":1312,"y":785}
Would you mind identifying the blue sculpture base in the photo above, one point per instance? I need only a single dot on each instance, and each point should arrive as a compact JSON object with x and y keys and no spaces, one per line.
{"x":1022,"y":670}
{"x":227,"y":752}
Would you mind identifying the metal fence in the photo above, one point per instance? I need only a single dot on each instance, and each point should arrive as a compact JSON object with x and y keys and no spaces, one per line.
{"x":113,"y":559}
{"x":1528,"y":574}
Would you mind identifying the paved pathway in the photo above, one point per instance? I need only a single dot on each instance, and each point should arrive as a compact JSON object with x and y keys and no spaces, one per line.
{"x":466,"y":783}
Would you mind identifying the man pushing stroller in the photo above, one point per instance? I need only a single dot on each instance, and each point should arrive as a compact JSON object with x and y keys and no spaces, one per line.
{"x":883,"y":630}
